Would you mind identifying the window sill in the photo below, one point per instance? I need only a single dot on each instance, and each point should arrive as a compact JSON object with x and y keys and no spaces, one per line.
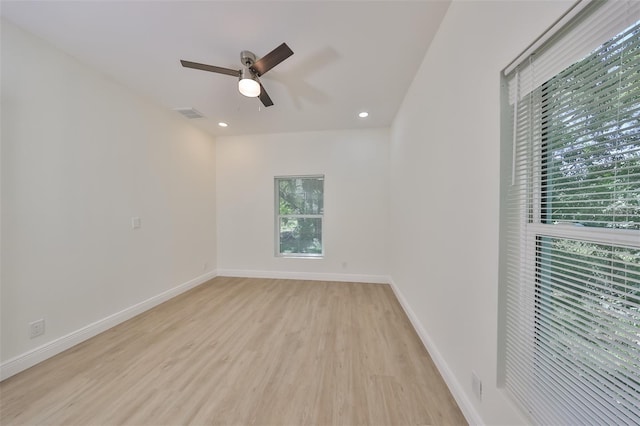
{"x":298,"y":256}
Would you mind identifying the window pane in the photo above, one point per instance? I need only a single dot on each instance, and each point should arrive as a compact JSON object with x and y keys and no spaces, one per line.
{"x":588,"y":322}
{"x":301,"y":235}
{"x":300,"y":195}
{"x":591,"y":138}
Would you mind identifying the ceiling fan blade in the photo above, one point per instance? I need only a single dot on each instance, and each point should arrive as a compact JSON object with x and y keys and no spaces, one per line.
{"x":271,"y":59}
{"x":211,"y":68}
{"x":264,"y":97}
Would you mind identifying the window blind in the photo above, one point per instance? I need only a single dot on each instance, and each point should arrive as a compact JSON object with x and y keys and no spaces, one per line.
{"x":572,"y":211}
{"x":597,"y":22}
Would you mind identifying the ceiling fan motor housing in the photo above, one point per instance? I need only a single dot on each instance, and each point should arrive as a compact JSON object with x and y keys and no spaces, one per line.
{"x":247,"y":58}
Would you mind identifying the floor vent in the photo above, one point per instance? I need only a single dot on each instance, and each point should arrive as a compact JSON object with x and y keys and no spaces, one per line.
{"x":190,"y":113}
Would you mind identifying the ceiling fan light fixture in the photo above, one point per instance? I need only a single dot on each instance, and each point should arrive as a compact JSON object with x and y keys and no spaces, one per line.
{"x":248,"y":85}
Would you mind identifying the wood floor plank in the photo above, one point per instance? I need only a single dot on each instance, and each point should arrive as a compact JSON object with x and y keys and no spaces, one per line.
{"x":240,"y":351}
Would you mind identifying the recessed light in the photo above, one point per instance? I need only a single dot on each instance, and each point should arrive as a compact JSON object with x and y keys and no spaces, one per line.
{"x":223,"y":124}
{"x":363,"y":114}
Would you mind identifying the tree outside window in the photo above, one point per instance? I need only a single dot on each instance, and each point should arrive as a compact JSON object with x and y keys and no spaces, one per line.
{"x":299,"y":216}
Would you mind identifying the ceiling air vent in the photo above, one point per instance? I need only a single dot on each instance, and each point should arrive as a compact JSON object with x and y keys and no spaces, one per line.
{"x":190,"y":113}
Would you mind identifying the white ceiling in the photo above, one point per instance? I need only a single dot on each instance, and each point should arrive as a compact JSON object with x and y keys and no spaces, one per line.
{"x":349,"y":56}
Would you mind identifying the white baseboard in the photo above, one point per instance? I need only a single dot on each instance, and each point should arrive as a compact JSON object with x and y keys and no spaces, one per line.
{"x":54,"y":347}
{"x":311,"y":276}
{"x":461,"y":397}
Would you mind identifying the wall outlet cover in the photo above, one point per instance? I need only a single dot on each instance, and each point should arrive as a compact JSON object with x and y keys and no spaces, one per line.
{"x":476,"y":386}
{"x":36,"y":328}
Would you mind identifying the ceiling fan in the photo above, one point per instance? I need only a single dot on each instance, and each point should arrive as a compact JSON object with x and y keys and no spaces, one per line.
{"x":248,"y":81}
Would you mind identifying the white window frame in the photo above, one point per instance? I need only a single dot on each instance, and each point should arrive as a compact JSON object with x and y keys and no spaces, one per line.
{"x":278,"y":217}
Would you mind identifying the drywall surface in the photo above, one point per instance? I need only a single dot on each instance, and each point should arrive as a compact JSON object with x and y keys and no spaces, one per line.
{"x":355,"y":166}
{"x":81,"y":157}
{"x":445,"y":170}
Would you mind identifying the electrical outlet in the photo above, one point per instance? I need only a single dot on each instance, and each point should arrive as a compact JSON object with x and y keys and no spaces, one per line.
{"x":36,"y":328}
{"x":476,"y":386}
{"x":136,"y":222}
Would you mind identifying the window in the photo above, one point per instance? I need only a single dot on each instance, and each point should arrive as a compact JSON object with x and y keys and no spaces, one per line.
{"x":299,"y":215}
{"x":571,"y":249}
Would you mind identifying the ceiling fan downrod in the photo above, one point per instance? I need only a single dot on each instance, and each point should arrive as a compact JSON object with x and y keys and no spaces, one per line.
{"x":247,"y":58}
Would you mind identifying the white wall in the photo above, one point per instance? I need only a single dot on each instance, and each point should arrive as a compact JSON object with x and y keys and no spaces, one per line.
{"x":445,"y":163}
{"x":81,"y":156}
{"x":355,"y":165}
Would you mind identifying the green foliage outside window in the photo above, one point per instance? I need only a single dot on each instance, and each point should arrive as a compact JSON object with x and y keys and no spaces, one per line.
{"x":588,"y":293}
{"x":300,"y":209}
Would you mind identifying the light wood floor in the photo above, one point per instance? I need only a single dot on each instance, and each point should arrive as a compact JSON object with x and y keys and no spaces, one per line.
{"x":238,"y":351}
